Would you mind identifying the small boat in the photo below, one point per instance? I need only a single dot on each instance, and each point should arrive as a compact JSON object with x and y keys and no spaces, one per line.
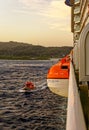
{"x":58,"y":77}
{"x":28,"y":86}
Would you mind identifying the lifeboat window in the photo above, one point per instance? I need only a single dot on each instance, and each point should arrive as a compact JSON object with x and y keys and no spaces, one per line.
{"x":64,"y":67}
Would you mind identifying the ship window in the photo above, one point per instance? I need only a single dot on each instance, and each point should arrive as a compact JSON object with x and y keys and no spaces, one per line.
{"x":64,"y":67}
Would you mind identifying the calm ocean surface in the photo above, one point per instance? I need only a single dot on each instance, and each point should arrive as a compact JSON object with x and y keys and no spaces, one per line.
{"x":36,"y":110}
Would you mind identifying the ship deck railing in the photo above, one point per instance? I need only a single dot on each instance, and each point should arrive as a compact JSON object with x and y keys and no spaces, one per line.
{"x":75,"y":116}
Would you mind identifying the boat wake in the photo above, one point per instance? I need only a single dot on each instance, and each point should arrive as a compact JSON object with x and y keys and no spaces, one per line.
{"x":40,"y":86}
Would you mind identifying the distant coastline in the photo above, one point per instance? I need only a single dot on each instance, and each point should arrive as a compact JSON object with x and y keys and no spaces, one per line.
{"x":24,"y":51}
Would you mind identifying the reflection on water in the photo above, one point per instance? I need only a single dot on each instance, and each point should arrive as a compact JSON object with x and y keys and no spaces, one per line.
{"x":37,"y":110}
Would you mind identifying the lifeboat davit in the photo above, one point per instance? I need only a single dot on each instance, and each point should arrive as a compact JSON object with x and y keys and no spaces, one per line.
{"x":28,"y":86}
{"x":58,"y":77}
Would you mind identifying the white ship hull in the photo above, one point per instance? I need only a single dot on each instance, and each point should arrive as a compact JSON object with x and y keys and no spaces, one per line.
{"x":58,"y":86}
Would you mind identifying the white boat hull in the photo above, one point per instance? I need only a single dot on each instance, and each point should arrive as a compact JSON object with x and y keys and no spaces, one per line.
{"x":58,"y":86}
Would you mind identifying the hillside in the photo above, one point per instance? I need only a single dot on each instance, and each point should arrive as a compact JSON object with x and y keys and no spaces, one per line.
{"x":16,"y":50}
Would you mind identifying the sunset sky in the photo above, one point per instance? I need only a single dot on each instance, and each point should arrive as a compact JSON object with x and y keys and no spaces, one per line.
{"x":39,"y":22}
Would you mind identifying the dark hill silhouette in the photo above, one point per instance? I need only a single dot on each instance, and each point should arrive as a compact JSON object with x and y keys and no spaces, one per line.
{"x":17,"y":50}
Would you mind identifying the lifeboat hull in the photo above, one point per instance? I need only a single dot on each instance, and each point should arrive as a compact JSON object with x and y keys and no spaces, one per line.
{"x":58,"y":86}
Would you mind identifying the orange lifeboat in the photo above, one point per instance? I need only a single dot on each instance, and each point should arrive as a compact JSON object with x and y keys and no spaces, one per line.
{"x":58,"y":77}
{"x":59,"y":70}
{"x":29,"y":86}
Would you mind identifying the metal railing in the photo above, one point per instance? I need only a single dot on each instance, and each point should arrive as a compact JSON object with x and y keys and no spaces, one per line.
{"x":75,"y":117}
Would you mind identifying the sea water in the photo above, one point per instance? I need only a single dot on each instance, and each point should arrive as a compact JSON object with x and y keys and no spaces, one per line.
{"x":35,"y":110}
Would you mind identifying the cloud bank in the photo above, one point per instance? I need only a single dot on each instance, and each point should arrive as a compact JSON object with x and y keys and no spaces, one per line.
{"x":54,"y":13}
